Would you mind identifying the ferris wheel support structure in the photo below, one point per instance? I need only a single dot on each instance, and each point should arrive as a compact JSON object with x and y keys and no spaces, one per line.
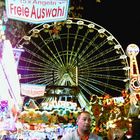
{"x":132,"y":52}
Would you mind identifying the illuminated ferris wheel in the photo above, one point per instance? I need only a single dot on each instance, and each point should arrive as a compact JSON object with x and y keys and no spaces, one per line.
{"x":77,"y":53}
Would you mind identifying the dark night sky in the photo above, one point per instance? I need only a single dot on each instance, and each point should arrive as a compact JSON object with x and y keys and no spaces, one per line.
{"x":120,"y":17}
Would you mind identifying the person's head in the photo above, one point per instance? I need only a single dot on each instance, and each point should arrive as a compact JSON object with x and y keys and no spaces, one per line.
{"x":84,"y":121}
{"x":59,"y":137}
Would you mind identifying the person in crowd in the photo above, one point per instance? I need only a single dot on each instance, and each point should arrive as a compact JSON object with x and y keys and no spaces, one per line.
{"x":6,"y":136}
{"x":46,"y":138}
{"x":59,"y":137}
{"x":83,"y":131}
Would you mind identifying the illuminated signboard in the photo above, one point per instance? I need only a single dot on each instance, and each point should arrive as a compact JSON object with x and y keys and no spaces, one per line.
{"x":37,"y":11}
{"x":32,"y":90}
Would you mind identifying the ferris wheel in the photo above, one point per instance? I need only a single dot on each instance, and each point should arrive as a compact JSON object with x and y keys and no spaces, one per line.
{"x":75,"y":52}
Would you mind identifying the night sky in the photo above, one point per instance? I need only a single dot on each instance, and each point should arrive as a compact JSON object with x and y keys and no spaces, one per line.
{"x":120,"y":17}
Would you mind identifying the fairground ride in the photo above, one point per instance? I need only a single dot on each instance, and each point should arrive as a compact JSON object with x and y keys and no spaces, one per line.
{"x":78,"y":54}
{"x":134,"y":85}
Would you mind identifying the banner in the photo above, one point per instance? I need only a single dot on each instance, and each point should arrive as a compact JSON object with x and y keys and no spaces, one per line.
{"x":37,"y":11}
{"x":32,"y":90}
